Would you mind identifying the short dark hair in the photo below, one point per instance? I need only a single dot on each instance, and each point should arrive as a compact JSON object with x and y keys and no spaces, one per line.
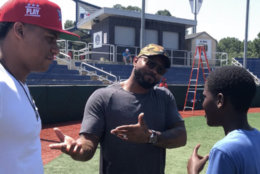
{"x":4,"y":28}
{"x":236,"y":83}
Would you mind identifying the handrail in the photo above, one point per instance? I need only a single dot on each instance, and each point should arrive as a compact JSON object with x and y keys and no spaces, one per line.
{"x":112,"y":53}
{"x":98,"y":69}
{"x":225,"y":59}
{"x":237,"y":63}
{"x":67,"y":59}
{"x":66,"y":55}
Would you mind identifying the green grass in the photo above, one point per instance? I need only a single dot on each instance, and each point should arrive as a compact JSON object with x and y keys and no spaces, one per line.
{"x":176,"y":161}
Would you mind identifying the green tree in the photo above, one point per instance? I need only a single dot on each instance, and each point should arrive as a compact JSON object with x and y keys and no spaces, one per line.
{"x":133,"y":8}
{"x":119,"y":6}
{"x":250,"y":50}
{"x":163,"y":13}
{"x":68,"y":24}
{"x":130,"y":8}
{"x":254,"y":47}
{"x":232,"y":46}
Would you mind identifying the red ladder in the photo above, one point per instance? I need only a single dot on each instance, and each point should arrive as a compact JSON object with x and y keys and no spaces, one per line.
{"x":193,"y":81}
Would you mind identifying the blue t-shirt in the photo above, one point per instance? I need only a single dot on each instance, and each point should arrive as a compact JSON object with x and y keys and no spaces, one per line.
{"x":238,"y":153}
{"x":127,"y":55}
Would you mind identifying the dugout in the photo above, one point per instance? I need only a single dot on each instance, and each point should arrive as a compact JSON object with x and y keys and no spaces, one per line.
{"x":121,"y":28}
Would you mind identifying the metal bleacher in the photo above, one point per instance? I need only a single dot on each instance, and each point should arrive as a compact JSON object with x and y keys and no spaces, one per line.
{"x":79,"y":68}
{"x":121,"y":71}
{"x":59,"y":75}
{"x":253,"y":65}
{"x":174,"y":75}
{"x":178,"y":75}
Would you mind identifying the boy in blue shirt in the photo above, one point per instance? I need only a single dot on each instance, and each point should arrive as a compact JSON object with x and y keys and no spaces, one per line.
{"x":228,"y":94}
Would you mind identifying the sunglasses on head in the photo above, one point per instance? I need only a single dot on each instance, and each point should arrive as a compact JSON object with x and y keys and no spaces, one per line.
{"x":152,"y":64}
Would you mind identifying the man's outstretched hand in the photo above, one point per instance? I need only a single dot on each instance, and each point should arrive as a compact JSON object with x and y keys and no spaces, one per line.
{"x":138,"y":133}
{"x":67,"y":144}
{"x":82,"y":149}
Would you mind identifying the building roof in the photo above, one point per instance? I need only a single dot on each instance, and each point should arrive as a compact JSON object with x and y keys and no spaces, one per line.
{"x":87,"y":6}
{"x":195,"y":35}
{"x":103,"y":13}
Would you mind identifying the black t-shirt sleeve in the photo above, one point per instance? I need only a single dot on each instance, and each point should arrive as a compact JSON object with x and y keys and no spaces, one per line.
{"x":94,"y":113}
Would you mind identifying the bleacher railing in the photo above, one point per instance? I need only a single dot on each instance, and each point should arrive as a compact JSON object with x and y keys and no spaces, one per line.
{"x":109,"y":53}
{"x":92,"y":71}
{"x":76,"y":51}
{"x":237,"y":63}
{"x":64,"y":59}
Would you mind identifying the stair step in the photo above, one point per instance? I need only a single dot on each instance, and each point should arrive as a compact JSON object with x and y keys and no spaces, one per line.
{"x":188,"y":107}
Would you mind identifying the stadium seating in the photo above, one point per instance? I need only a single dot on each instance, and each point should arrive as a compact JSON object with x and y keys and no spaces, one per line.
{"x":175,"y":75}
{"x":61,"y":75}
{"x":253,"y":65}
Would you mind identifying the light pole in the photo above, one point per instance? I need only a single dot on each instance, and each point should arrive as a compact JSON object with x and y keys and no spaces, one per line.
{"x":195,"y":17}
{"x":142,"y":36}
{"x":246,"y":34}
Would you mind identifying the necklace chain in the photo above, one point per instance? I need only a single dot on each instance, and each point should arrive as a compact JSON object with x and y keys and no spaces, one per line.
{"x":30,"y":99}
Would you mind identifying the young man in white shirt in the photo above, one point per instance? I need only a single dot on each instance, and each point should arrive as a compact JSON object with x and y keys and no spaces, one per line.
{"x":28,"y":33}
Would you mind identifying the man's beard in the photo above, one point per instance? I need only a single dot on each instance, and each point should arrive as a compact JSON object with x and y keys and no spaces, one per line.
{"x":139,"y":77}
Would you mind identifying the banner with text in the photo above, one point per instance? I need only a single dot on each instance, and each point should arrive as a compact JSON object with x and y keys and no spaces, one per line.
{"x":207,"y":44}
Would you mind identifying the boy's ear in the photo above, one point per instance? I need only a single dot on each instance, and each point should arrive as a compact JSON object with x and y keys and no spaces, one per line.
{"x":220,"y":100}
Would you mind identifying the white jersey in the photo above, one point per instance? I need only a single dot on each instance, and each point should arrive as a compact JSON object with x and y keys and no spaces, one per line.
{"x":20,"y":146}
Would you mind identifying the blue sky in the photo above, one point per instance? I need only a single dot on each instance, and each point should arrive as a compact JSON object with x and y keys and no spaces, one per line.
{"x":219,"y":18}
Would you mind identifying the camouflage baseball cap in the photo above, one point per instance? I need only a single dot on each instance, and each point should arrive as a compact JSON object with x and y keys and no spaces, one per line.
{"x":155,"y":50}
